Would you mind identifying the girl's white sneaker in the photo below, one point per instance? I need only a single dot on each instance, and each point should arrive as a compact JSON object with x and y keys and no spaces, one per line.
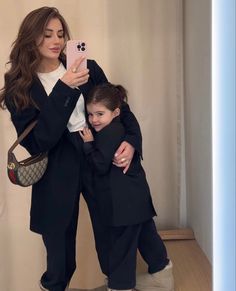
{"x":159,"y":281}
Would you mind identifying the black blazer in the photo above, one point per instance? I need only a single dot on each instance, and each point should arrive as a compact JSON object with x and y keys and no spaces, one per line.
{"x":122,"y":199}
{"x":53,"y":197}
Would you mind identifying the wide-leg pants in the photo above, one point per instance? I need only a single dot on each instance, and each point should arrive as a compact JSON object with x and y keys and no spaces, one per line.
{"x":61,"y":247}
{"x":61,"y":255}
{"x":117,"y":248}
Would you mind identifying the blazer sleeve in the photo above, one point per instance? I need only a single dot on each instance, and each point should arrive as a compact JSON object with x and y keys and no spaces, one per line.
{"x":100,"y":153}
{"x":96,"y":73}
{"x":132,"y":128}
{"x":52,"y":117}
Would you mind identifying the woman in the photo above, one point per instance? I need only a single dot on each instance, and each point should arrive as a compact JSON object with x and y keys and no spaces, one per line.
{"x":37,"y":86}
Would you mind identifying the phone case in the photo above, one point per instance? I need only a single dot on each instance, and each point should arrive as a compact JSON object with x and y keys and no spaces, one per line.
{"x":74,"y":50}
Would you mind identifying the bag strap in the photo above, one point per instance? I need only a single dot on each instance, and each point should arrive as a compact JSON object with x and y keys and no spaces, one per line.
{"x":22,"y":136}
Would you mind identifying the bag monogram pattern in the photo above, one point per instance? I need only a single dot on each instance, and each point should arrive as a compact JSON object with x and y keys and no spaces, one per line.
{"x":28,"y":171}
{"x":31,"y":174}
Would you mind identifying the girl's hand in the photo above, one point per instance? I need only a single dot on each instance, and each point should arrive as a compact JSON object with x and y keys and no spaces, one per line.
{"x":86,"y":134}
{"x":75,"y":78}
{"x":123,"y":156}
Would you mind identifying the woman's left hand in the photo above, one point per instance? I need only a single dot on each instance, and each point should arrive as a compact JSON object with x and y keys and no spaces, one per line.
{"x":123,"y":156}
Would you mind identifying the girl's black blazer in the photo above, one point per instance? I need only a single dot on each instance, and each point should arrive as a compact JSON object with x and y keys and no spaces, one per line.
{"x":54,"y":196}
{"x":122,"y":199}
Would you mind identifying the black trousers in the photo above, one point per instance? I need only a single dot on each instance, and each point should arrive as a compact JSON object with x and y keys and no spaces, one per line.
{"x":117,"y":248}
{"x":61,"y":255}
{"x":61,"y":247}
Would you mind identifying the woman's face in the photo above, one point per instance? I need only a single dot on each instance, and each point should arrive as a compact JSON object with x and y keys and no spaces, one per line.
{"x":52,"y":42}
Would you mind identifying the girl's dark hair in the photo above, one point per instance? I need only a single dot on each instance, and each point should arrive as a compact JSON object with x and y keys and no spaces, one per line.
{"x":111,"y":96}
{"x":24,"y":58}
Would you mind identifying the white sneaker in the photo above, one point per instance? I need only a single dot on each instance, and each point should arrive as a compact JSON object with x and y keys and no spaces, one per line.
{"x":159,"y":281}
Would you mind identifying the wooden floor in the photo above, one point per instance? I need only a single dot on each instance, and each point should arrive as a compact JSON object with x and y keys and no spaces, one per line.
{"x":192,"y":270}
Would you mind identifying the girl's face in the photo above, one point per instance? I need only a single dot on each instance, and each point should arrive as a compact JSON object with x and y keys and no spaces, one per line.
{"x":100,"y":116}
{"x":52,"y":42}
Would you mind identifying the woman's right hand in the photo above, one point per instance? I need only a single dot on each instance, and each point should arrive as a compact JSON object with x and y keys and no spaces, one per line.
{"x":74,"y":78}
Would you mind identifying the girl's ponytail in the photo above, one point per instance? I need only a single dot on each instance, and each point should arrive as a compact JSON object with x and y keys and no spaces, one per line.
{"x":122,"y":92}
{"x":112,"y":96}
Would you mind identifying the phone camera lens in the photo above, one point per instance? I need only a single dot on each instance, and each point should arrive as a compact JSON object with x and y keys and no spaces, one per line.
{"x":81,"y":46}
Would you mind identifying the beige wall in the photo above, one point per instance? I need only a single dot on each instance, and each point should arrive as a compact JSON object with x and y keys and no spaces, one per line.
{"x":197,"y":85}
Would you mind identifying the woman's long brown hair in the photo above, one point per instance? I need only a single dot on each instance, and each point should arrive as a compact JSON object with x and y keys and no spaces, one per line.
{"x":24,"y":58}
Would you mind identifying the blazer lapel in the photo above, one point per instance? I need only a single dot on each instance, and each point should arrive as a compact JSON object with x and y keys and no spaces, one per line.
{"x":39,"y":94}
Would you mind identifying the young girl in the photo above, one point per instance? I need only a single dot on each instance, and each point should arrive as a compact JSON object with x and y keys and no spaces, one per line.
{"x":123,"y":203}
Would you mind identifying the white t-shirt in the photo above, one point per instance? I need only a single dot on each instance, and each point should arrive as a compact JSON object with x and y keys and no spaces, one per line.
{"x":77,"y":119}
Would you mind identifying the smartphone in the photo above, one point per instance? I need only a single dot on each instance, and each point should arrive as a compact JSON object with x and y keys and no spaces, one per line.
{"x":74,"y":50}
